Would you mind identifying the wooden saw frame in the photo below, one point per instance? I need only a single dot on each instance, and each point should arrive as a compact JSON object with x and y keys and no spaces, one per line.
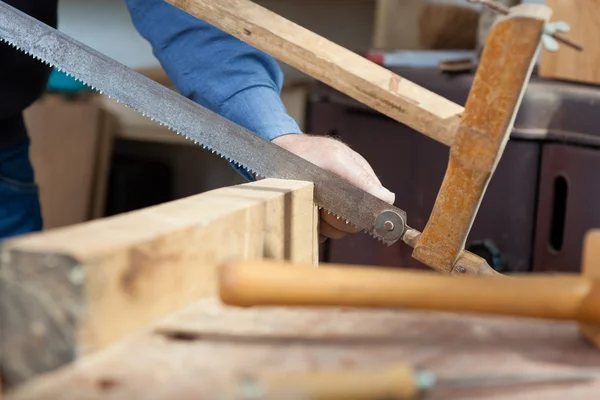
{"x":476,"y":134}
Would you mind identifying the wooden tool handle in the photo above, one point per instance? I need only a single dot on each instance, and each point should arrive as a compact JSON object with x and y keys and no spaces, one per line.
{"x":344,"y":70}
{"x":396,"y":383}
{"x":272,"y":283}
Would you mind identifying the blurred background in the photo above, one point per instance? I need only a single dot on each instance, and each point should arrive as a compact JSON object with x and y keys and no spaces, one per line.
{"x":96,"y":158}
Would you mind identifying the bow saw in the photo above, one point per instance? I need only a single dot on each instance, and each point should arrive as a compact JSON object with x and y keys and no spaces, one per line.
{"x":476,"y":133}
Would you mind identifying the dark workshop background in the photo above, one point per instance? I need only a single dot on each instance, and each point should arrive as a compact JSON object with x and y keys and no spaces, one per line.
{"x":95,"y":158}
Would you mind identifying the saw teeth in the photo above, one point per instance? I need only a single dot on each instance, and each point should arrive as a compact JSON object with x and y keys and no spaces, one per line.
{"x":203,"y":146}
{"x":348,"y":222}
{"x":213,"y":151}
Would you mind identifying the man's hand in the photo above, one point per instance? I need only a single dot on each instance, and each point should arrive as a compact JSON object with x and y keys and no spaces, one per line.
{"x":339,"y":159}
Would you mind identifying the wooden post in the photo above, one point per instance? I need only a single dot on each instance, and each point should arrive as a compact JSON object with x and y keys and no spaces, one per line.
{"x":74,"y":290}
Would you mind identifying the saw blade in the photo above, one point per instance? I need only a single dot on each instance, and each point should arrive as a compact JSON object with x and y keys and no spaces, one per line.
{"x":199,"y":124}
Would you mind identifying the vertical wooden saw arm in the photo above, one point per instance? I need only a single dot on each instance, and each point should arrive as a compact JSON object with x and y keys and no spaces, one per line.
{"x":476,"y":134}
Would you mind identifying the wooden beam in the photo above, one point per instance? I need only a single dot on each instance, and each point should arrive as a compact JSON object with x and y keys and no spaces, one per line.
{"x":498,"y":88}
{"x":75,"y":290}
{"x":344,"y":70}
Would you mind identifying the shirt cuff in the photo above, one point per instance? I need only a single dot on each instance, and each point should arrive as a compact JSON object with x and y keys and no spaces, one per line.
{"x":260,"y":110}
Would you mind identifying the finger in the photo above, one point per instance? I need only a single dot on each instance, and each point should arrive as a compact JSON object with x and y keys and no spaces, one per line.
{"x":329,"y":231}
{"x":339,"y":224}
{"x":372,"y":185}
{"x":365,"y":165}
{"x":343,"y":163}
{"x":362,"y":179}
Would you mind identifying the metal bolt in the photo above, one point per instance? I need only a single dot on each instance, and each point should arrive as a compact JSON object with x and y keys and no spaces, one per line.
{"x":388,"y":225}
{"x":461,"y":270}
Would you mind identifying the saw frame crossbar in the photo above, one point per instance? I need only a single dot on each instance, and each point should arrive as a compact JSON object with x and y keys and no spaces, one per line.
{"x":476,"y":134}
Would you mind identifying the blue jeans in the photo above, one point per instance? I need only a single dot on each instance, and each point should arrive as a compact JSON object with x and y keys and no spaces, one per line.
{"x":20,"y":210}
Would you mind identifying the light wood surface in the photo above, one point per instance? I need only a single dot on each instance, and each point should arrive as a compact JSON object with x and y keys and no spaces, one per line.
{"x":493,"y":103}
{"x":71,"y":291}
{"x":202,"y":351}
{"x":568,"y":64}
{"x":350,"y":73}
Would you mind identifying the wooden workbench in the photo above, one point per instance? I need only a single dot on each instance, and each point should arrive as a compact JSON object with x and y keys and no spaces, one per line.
{"x":197,"y":353}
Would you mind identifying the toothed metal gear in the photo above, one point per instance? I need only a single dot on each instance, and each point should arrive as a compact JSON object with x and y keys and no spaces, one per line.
{"x":196,"y":123}
{"x":390,"y":225}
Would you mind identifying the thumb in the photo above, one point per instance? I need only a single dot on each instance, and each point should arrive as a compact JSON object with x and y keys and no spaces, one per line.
{"x":368,"y":182}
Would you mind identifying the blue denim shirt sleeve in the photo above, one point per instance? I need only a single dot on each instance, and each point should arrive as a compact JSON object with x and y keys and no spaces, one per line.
{"x":215,"y":69}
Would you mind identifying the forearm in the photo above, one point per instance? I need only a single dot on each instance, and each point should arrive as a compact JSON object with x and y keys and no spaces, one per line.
{"x":215,"y":69}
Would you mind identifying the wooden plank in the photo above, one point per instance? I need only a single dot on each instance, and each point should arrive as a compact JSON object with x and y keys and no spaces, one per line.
{"x":344,"y":70}
{"x":201,"y":352}
{"x":75,"y":290}
{"x":569,"y":64}
{"x":498,"y":88}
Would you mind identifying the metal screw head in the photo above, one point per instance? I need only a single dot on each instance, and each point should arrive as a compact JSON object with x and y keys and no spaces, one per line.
{"x":390,"y":226}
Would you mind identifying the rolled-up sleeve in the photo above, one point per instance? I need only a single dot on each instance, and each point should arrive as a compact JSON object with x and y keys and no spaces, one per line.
{"x":215,"y":69}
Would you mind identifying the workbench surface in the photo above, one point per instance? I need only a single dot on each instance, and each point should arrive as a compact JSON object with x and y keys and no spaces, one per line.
{"x":198,"y":352}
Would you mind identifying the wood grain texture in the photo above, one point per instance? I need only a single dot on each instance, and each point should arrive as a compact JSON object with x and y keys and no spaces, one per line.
{"x":498,"y":87}
{"x":201,"y":352}
{"x":348,"y":72}
{"x":591,"y":269}
{"x":275,"y":283}
{"x":568,"y":64}
{"x":72,"y":291}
